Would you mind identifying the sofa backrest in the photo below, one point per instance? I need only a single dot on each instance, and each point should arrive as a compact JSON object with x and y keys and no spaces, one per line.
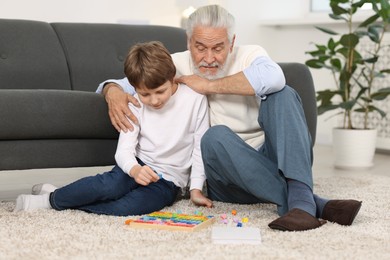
{"x":96,"y":52}
{"x":31,"y":56}
{"x":298,"y":76}
{"x":72,"y":56}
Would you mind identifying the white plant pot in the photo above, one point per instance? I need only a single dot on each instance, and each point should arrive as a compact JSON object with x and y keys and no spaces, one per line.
{"x":354,"y":149}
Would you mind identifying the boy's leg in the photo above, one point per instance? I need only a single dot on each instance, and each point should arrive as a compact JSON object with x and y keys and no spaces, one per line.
{"x":106,"y":186}
{"x":237,"y":173}
{"x":139,"y":201}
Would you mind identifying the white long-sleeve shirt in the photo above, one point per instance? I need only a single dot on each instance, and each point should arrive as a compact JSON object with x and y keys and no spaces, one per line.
{"x":168,"y":139}
{"x":238,"y":112}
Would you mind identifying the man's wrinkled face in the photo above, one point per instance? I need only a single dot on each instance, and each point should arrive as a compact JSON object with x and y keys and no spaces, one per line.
{"x":210,"y":49}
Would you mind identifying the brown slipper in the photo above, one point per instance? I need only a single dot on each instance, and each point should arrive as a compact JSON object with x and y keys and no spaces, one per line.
{"x":296,"y":220}
{"x":342,"y":212}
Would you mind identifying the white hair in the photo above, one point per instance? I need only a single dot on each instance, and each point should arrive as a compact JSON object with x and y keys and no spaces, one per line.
{"x":211,"y":16}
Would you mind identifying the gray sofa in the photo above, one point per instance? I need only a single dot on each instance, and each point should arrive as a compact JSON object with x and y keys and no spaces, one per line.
{"x":50,"y":115}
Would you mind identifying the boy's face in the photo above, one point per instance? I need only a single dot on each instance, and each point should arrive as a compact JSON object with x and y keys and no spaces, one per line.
{"x":158,"y":97}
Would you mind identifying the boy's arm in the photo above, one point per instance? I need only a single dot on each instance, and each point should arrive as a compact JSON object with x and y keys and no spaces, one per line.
{"x":199,"y":199}
{"x":125,"y":151}
{"x":198,"y":175}
{"x":118,"y":93}
{"x":125,"y":157}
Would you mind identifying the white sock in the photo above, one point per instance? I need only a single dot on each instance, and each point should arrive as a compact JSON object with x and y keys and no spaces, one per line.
{"x":31,"y":202}
{"x":42,"y":188}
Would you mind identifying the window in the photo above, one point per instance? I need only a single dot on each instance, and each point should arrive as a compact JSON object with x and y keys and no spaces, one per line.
{"x":323,"y":6}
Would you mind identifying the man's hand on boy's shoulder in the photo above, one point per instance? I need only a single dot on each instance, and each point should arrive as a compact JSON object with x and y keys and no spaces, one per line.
{"x":118,"y":108}
{"x":195,"y":82}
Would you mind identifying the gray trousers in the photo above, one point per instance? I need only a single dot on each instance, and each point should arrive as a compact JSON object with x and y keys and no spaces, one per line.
{"x":238,"y":173}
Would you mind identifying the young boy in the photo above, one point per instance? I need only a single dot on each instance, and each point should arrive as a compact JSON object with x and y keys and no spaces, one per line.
{"x":155,"y":160}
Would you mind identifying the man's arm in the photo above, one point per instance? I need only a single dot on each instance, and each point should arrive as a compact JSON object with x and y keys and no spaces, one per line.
{"x":235,"y":84}
{"x":198,"y":175}
{"x":265,"y":76}
{"x":121,"y":83}
{"x":262,"y":77}
{"x":118,"y":93}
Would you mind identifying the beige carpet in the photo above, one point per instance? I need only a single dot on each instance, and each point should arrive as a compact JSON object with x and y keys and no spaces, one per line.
{"x":49,"y":234}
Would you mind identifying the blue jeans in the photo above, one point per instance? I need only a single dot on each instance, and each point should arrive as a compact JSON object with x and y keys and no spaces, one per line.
{"x":114,"y":193}
{"x":238,"y":173}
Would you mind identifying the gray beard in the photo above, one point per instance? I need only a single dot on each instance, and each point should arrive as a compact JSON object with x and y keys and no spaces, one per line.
{"x":221,"y":72}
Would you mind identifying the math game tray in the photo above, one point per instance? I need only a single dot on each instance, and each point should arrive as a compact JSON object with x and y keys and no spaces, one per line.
{"x":171,"y":221}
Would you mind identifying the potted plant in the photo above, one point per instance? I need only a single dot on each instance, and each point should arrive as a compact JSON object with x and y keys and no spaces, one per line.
{"x":354,"y":75}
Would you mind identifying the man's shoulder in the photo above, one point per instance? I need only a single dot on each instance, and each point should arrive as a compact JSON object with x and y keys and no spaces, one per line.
{"x":253,"y":50}
{"x":182,"y":61}
{"x":181,"y":55}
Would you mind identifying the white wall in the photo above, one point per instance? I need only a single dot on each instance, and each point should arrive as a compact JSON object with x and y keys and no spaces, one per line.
{"x":165,"y":12}
{"x":283,"y":43}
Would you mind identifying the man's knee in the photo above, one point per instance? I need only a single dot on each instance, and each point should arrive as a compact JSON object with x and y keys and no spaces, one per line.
{"x":212,"y":139}
{"x":285,"y":95}
{"x":214,"y":133}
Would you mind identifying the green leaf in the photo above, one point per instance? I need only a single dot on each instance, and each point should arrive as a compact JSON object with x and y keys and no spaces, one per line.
{"x":385,"y":10}
{"x":373,"y":33}
{"x":315,"y":53}
{"x":381,"y":94}
{"x":348,"y":105}
{"x":338,"y":1}
{"x":371,"y":60}
{"x":343,"y":51}
{"x":336,"y":9}
{"x":371,"y":109}
{"x":349,"y":40}
{"x":336,"y":63}
{"x":369,"y":20}
{"x":338,"y":17}
{"x":331,"y":44}
{"x":325,"y":30}
{"x":323,"y":58}
{"x":315,"y":64}
{"x":321,"y":47}
{"x":359,"y":4}
{"x":322,"y":109}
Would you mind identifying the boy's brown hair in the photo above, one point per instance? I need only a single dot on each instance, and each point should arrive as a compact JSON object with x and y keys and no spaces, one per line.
{"x":149,"y":65}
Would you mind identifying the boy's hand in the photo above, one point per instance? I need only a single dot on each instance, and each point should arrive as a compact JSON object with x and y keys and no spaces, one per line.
{"x":118,"y":108}
{"x":199,"y":199}
{"x":143,"y":175}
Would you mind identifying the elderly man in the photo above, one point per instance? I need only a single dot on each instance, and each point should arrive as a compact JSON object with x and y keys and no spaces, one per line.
{"x":258,"y":149}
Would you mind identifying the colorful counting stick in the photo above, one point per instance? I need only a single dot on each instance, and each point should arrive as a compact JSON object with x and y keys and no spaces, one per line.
{"x":171,"y":221}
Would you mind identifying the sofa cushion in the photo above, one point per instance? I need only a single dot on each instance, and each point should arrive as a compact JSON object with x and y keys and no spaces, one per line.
{"x":56,"y":153}
{"x":31,"y":56}
{"x":96,"y":52}
{"x":54,"y":114}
